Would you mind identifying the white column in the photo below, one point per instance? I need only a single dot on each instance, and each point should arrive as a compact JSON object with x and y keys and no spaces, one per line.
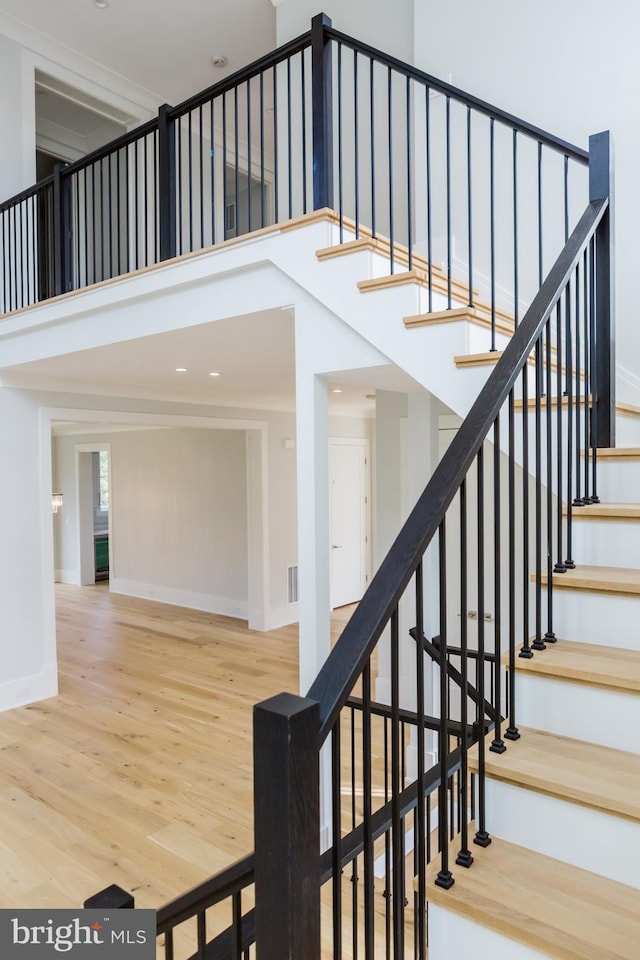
{"x":313,"y":526}
{"x":27,"y":610}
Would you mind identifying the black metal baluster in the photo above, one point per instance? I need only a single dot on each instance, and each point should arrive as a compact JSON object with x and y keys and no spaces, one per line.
{"x":569,"y":563}
{"x":201,"y":185}
{"x":589,"y":397}
{"x":236,"y":164}
{"x":372,"y":146}
{"x":409,"y":178}
{"x":390,"y":153}
{"x":236,"y":948}
{"x":396,"y":787}
{"x":594,"y":369}
{"x":156,"y":199}
{"x":492,"y":232}
{"x":387,"y":848}
{"x":336,"y":831}
{"x":168,"y":944}
{"x":469,"y":207}
{"x":421,"y":812}
{"x":250,"y":157}
{"x":497,"y":744}
{"x":516,"y":306}
{"x":118,"y":206}
{"x":340,"y":148}
{"x":550,"y":636}
{"x":102,"y":224}
{"x":356,"y":144}
{"x":212,"y":171}
{"x":224,"y":164}
{"x":526,"y":651}
{"x":578,"y":500}
{"x":146,"y":203}
{"x":444,"y":877}
{"x":511,"y":733}
{"x":289,"y":143}
{"x":368,"y":859}
{"x":538,"y":643}
{"x":482,"y":838}
{"x":540,"y":251}
{"x":354,"y":862}
{"x":179,"y":185}
{"x":559,"y":566}
{"x":464,"y":858}
{"x":304,"y":131}
{"x":78,"y":260}
{"x":201,"y":926}
{"x":428,"y":198}
{"x":262,"y":184}
{"x":190,"y":172}
{"x":566,"y":199}
{"x":275,"y":146}
{"x":448,"y":193}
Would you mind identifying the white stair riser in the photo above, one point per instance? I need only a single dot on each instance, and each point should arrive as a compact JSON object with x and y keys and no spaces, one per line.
{"x":588,"y":617}
{"x":453,"y":936}
{"x":627,"y":430}
{"x":619,"y":480}
{"x":606,"y":543}
{"x":607,"y":717}
{"x":587,"y":838}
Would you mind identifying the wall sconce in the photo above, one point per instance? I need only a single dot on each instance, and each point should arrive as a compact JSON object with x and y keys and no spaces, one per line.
{"x":56,"y":501}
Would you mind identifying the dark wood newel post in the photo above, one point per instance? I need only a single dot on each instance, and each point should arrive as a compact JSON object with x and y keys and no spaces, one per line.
{"x":166,"y":183}
{"x":601,"y":186}
{"x":322,"y":112}
{"x":61,"y":227}
{"x":287,"y":828}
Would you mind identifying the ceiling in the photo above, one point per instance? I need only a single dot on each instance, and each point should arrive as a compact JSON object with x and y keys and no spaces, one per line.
{"x":253,"y":354}
{"x":162,"y":46}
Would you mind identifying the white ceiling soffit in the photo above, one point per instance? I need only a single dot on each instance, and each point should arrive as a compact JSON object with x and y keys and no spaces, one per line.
{"x":162,"y":46}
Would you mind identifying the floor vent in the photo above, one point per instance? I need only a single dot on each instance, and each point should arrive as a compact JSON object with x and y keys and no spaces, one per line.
{"x":292,"y":584}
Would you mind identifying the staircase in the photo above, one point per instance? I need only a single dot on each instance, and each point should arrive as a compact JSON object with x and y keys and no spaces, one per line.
{"x":565,"y":798}
{"x":509,"y":632}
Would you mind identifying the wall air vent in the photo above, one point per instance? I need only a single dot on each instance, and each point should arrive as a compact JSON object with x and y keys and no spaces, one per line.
{"x":292,"y":584}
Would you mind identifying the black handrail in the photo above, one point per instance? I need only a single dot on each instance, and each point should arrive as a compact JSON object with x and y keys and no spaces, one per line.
{"x":26,"y":193}
{"x":271,"y":59}
{"x":217,"y":888}
{"x":482,"y":106}
{"x":344,"y":665}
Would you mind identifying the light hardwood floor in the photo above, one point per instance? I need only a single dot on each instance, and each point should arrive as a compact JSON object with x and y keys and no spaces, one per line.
{"x":140,"y":772}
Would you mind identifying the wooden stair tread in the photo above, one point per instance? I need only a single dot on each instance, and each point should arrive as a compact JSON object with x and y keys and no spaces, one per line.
{"x":619,"y":453}
{"x":606,"y":511}
{"x":621,"y":581}
{"x":583,"y":773}
{"x":609,"y":667}
{"x":479,"y":314}
{"x":562,"y":911}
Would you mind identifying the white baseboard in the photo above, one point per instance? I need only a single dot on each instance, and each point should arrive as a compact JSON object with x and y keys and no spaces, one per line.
{"x":71,"y":575}
{"x":275,"y":617}
{"x":25,"y":690}
{"x":209,"y":603}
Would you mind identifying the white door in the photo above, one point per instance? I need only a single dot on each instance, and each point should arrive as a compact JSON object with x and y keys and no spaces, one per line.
{"x":349,"y":511}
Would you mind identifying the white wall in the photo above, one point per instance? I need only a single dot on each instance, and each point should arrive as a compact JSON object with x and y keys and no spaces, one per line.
{"x":179,"y":515}
{"x":571,"y":68}
{"x":380,"y":23}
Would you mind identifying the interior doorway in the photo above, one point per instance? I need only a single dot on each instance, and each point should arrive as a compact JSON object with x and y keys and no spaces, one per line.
{"x":94,"y":515}
{"x":349,"y":519}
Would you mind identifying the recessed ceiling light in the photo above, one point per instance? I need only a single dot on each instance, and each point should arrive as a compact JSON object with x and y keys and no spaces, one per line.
{"x":181,"y":369}
{"x":214,"y":373}
{"x":337,"y":390}
{"x":218,"y":60}
{"x":101,"y":4}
